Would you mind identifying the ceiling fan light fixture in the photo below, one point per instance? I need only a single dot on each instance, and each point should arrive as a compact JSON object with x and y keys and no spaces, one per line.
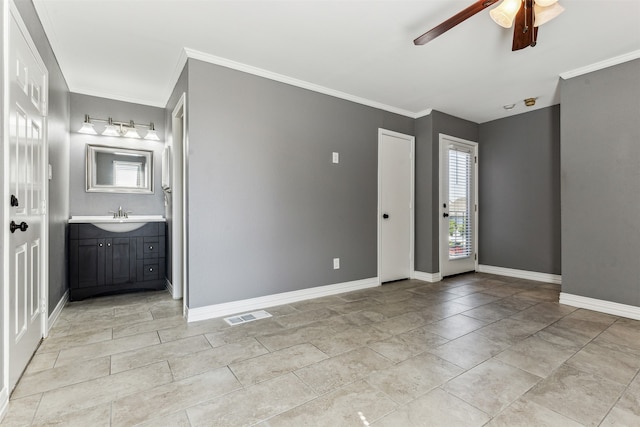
{"x":530,"y":102}
{"x":545,"y":3}
{"x":504,"y":14}
{"x":546,"y":14}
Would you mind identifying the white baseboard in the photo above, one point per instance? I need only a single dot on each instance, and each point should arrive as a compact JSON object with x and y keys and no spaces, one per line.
{"x":169,"y":286}
{"x":521,"y":274}
{"x":56,"y":312}
{"x":617,"y":309}
{"x":4,"y":402}
{"x":234,"y":307}
{"x":427,"y":277}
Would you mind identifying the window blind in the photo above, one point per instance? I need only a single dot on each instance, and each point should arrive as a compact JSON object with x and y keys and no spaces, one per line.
{"x":460,"y":224}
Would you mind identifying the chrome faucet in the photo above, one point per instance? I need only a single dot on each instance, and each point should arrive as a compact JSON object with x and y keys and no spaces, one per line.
{"x":120,"y":213}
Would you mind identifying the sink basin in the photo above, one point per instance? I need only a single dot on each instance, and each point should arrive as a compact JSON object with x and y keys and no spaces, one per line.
{"x":118,"y":225}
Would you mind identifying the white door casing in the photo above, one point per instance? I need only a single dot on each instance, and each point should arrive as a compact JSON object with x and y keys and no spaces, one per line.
{"x":178,"y":205}
{"x":395,"y":205}
{"x":458,"y":207}
{"x":25,"y":154}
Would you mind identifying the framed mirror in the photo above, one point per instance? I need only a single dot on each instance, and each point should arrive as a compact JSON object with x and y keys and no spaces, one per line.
{"x":119,"y":170}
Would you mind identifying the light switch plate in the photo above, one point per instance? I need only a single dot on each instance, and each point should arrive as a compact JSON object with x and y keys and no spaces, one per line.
{"x":336,"y":157}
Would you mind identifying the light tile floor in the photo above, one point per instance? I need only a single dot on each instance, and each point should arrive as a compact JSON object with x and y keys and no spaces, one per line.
{"x":471,"y":350}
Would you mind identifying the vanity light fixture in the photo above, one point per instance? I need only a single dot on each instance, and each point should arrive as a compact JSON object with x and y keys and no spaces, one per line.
{"x":117,"y":128}
{"x":87,"y":126}
{"x":152,"y":135}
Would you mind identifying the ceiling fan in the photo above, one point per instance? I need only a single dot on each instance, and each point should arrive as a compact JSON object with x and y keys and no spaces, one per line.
{"x":527,"y":15}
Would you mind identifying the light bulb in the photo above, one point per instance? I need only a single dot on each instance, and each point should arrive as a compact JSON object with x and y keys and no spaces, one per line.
{"x":545,"y":14}
{"x":504,"y":14}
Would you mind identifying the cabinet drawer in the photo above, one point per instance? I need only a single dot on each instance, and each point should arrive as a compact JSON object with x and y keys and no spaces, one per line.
{"x":150,"y":269}
{"x":151,"y":248}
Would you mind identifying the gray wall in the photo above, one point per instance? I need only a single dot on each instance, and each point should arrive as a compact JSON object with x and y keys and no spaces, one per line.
{"x":601,"y":184}
{"x":267,"y":209}
{"x":519,"y":192}
{"x":428,"y":130}
{"x":80,"y":201}
{"x":58,"y":140}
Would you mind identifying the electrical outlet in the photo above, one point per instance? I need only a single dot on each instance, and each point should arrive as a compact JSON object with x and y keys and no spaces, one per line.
{"x":336,"y":157}
{"x":336,"y":263}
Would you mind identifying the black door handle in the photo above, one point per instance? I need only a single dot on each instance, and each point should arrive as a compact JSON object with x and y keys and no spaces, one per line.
{"x":385,"y":216}
{"x":444,"y":215}
{"x":14,"y":201}
{"x":22,"y":227}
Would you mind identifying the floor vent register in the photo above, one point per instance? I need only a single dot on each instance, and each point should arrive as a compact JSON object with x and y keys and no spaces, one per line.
{"x":247,"y":317}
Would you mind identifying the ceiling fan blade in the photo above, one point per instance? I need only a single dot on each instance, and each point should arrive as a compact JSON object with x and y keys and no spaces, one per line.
{"x":524,"y":33}
{"x":453,"y":21}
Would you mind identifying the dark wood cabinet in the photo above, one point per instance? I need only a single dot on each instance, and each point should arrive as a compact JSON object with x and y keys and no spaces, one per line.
{"x":103,"y":262}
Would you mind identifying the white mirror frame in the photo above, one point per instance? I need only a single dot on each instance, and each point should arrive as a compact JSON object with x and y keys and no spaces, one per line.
{"x":91,"y":170}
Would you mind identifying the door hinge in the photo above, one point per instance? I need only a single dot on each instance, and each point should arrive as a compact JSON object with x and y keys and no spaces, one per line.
{"x":476,"y":207}
{"x":475,"y":159}
{"x":475,"y":256}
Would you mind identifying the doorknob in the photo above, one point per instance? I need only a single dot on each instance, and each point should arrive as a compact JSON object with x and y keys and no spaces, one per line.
{"x":385,"y":216}
{"x":444,"y":215}
{"x":22,"y":227}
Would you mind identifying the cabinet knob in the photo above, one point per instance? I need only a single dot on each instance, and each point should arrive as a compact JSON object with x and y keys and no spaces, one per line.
{"x":108,"y":244}
{"x":150,"y":247}
{"x":100,"y":244}
{"x":150,"y":269}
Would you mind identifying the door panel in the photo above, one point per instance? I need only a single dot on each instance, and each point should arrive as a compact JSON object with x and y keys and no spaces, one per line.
{"x":26,"y":142}
{"x":458,"y":207}
{"x":395,"y":173}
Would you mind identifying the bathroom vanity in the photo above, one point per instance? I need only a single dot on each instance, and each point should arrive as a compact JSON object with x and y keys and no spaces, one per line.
{"x":113,"y":255}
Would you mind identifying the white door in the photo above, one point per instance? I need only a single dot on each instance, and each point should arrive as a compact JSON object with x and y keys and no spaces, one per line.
{"x":458,"y":206}
{"x":26,"y":181}
{"x":395,"y":205}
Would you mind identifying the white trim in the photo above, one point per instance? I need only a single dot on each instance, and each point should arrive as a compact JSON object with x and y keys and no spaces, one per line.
{"x":179,"y":206}
{"x":602,"y":64}
{"x":227,"y":308}
{"x":169,"y":286}
{"x":423,"y":113}
{"x":427,"y":277}
{"x":412,"y":202}
{"x":442,"y":141}
{"x":56,"y":311}
{"x":175,"y":76}
{"x":521,"y":274}
{"x":249,"y":69}
{"x":617,"y":309}
{"x":4,"y":403}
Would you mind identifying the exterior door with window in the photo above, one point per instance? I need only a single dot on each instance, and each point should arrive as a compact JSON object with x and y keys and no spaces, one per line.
{"x":458,"y":206}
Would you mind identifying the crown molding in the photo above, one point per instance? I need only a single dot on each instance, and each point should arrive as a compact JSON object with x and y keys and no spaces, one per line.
{"x":600,"y":65}
{"x":189,"y":53}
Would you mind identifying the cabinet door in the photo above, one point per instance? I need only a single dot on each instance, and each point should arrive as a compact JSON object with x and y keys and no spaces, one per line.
{"x":121,"y":267}
{"x":91,"y":262}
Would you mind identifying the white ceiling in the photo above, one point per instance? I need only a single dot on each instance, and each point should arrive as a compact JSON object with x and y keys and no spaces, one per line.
{"x":131,"y":50}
